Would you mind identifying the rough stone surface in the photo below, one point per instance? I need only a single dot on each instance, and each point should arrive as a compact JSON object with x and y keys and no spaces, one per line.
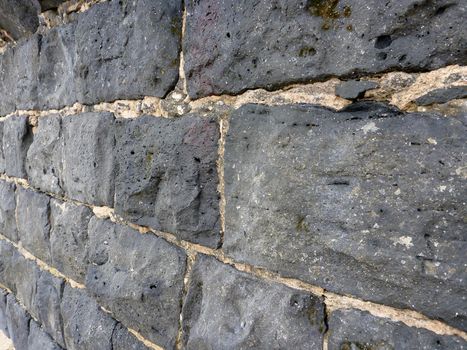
{"x":137,"y":277}
{"x":228,"y":309}
{"x":69,"y":238}
{"x":33,"y":209}
{"x":7,"y":210}
{"x":44,"y":156}
{"x":2,"y":156}
{"x":7,"y":260}
{"x":86,"y":326}
{"x":3,"y":317}
{"x":16,"y":140}
{"x":123,"y":340}
{"x":442,"y":95}
{"x":19,"y":17}
{"x":88,"y":158}
{"x":40,"y":340}
{"x":233,"y":45}
{"x":167,"y":176}
{"x":23,"y":278}
{"x":18,"y":323}
{"x":367,"y":201}
{"x":353,"y":89}
{"x":354,"y":329}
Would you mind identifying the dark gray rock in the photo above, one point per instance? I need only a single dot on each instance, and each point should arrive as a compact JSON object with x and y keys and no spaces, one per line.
{"x":86,"y":326}
{"x":228,"y":309}
{"x":24,"y":277}
{"x":8,"y":256}
{"x":442,"y":95}
{"x":3,"y":318}
{"x":128,"y":50}
{"x":39,"y":340}
{"x":167,"y":176}
{"x":44,"y":156}
{"x":33,"y":209}
{"x":18,"y":323}
{"x":88,"y":158}
{"x":69,"y":238}
{"x":19,"y":17}
{"x":354,"y":329}
{"x":353,"y":89}
{"x":2,"y":156}
{"x":16,"y":140}
{"x":7,"y":210}
{"x":139,"y":278}
{"x":50,"y":4}
{"x":46,"y":305}
{"x":124,"y":340}
{"x":366,"y":201}
{"x":232,"y":45}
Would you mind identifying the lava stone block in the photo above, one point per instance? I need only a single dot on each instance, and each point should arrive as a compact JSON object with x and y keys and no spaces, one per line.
{"x":16,"y":140}
{"x":39,"y":339}
{"x":233,"y":45}
{"x":367,"y":201}
{"x":18,"y":323}
{"x":138,"y":277}
{"x":2,"y":156}
{"x":228,"y":309}
{"x":354,"y":329}
{"x":69,"y":238}
{"x":85,"y":325}
{"x":8,"y":255}
{"x":124,"y":340}
{"x":167,"y":176}
{"x":19,"y":17}
{"x":33,"y":210}
{"x":8,"y":210}
{"x":3,"y":318}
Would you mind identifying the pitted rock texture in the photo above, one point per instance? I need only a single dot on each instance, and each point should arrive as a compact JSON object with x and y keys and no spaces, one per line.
{"x":167,"y":176}
{"x":226,"y":309}
{"x":123,"y":340}
{"x":367,"y":201}
{"x":115,"y":50}
{"x":138,"y":277}
{"x":19,"y":17}
{"x":8,"y":210}
{"x":354,"y":329}
{"x":232,"y":45}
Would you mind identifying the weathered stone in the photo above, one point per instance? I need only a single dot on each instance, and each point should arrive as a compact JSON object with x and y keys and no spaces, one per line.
{"x":232,"y":45}
{"x":18,"y":323}
{"x":354,"y":329}
{"x":442,"y":95}
{"x":16,"y":140}
{"x":46,"y":305}
{"x":69,"y":238}
{"x":228,"y":309}
{"x":7,"y":210}
{"x":167,"y":177}
{"x":85,"y":325}
{"x":366,"y":201}
{"x":123,"y":340}
{"x":2,"y":156}
{"x":128,"y":50}
{"x":19,"y":17}
{"x":33,"y":210}
{"x":139,"y":278}
{"x":39,"y":340}
{"x":353,"y":89}
{"x":3,"y":318}
{"x":88,"y":158}
{"x":43,"y":161}
{"x":24,"y":277}
{"x":7,"y":261}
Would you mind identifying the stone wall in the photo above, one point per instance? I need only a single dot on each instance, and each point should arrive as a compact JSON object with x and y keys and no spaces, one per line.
{"x":233,"y":174}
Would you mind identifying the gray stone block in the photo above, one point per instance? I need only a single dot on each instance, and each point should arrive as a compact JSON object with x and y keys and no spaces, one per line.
{"x":17,"y":137}
{"x":19,"y":18}
{"x":44,"y":156}
{"x":353,"y":89}
{"x":85,"y":325}
{"x":25,"y":275}
{"x":69,"y":238}
{"x":88,"y":158}
{"x":366,"y":201}
{"x":18,"y":323}
{"x":167,"y":176}
{"x":232,"y":45}
{"x":442,"y":95}
{"x":7,"y":269}
{"x":228,"y":309}
{"x":139,"y":278}
{"x":354,"y":329}
{"x":3,"y":318}
{"x":33,"y":210}
{"x":124,"y":340}
{"x":38,"y":339}
{"x":8,"y":210}
{"x":2,"y":156}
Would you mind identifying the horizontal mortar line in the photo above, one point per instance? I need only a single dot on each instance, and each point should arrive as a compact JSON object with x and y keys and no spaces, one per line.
{"x":336,"y":301}
{"x":72,"y":283}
